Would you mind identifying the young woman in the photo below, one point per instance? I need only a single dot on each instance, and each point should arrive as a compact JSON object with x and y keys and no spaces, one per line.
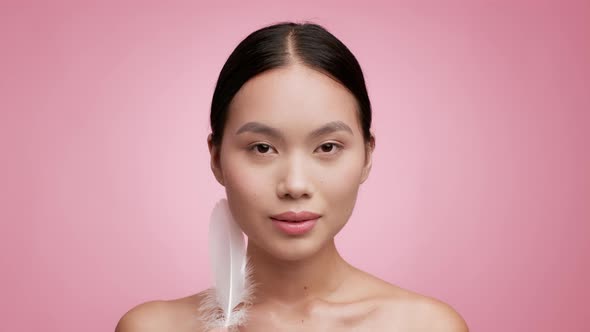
{"x":291,"y":141}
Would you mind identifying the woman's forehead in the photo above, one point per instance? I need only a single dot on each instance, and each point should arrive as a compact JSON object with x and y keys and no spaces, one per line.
{"x":290,"y":94}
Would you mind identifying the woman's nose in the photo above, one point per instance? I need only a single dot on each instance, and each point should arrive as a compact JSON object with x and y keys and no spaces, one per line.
{"x":294,"y":181}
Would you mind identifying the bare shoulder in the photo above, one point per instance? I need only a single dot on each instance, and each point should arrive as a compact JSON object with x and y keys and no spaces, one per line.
{"x":443,"y":317}
{"x":148,"y":316}
{"x":158,"y":316}
{"x":400,"y":309}
{"x":417,"y":312}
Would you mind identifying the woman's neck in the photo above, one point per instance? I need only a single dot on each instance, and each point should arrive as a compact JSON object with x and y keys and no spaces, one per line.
{"x":315,"y":277}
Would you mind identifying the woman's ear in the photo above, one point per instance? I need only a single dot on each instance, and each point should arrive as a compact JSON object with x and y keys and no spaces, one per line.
{"x":215,"y":159}
{"x":369,"y":148}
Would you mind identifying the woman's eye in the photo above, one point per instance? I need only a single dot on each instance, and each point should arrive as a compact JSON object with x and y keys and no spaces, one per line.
{"x":329,"y":147}
{"x":261,"y":148}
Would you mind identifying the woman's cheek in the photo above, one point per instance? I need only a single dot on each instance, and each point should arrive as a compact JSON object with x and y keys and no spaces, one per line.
{"x":241,"y":177}
{"x":341,"y":187}
{"x":246,"y":187}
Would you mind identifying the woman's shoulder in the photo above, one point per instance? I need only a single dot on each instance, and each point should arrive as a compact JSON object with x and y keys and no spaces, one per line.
{"x":401,"y":309}
{"x":163,"y":315}
{"x":413,"y":311}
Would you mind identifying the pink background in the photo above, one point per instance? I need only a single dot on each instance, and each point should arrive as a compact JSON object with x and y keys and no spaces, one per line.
{"x":480,"y":190}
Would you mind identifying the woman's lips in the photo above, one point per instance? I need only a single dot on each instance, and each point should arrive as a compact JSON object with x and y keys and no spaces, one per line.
{"x":294,"y":227}
{"x":295,"y":216}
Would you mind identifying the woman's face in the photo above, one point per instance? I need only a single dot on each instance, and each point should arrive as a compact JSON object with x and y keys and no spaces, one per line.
{"x":271,"y":161}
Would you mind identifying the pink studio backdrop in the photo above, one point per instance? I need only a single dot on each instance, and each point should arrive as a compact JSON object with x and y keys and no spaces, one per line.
{"x":480,"y":189}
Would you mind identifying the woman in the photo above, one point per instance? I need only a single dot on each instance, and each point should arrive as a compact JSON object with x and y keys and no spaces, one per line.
{"x":291,"y":140}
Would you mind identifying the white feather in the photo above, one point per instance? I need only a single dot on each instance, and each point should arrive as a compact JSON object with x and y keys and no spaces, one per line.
{"x":226,"y":304}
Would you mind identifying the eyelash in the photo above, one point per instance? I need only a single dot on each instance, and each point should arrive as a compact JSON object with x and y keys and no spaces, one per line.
{"x":336,"y":146}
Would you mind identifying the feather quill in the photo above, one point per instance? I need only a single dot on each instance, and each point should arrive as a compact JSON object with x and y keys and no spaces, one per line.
{"x":225,"y":305}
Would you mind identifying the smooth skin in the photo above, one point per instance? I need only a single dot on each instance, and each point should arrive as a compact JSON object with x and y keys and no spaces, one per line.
{"x":269,"y":162}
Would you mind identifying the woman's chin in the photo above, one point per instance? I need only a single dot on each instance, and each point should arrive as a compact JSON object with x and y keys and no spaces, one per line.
{"x":294,"y":249}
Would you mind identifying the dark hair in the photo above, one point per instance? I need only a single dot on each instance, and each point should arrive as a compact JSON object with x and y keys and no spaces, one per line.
{"x":282,"y":44}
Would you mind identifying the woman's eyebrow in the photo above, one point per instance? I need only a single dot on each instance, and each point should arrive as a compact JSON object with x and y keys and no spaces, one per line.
{"x":260,"y":128}
{"x":329,"y":128}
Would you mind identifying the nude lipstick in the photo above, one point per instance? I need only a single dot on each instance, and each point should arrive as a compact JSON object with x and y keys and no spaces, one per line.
{"x":295,"y":223}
